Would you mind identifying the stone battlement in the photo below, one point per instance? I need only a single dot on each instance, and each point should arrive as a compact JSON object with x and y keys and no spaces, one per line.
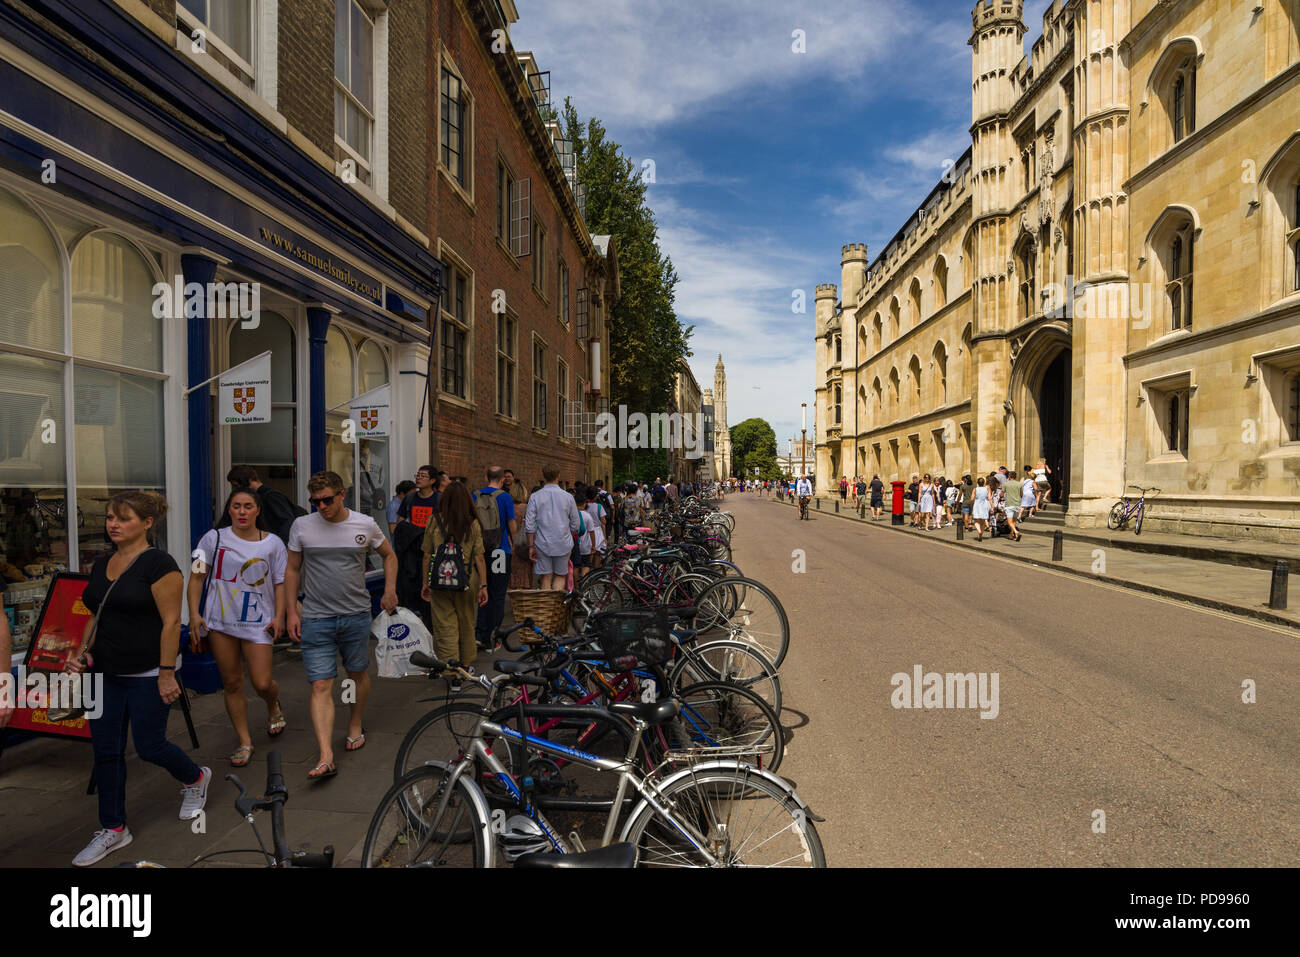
{"x":853,"y":251}
{"x":989,"y":13}
{"x":826,"y":290}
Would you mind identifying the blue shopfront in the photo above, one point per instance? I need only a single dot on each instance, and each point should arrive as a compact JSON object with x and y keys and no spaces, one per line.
{"x":117,"y":182}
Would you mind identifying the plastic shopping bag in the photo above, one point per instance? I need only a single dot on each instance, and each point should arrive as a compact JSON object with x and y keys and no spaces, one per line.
{"x":399,"y":635}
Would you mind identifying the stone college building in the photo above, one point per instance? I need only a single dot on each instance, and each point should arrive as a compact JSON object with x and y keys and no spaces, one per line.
{"x":1109,"y":278}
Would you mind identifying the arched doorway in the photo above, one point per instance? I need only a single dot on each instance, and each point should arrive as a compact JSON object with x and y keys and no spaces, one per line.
{"x":1054,"y":422}
{"x":1040,"y":399}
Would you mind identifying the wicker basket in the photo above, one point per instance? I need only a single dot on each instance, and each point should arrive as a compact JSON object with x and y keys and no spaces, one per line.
{"x":546,"y":608}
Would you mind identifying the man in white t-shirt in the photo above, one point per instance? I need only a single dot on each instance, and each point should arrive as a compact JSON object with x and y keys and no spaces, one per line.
{"x":327,"y":567}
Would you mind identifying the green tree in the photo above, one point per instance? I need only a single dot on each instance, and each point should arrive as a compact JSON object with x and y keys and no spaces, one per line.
{"x":646,"y":339}
{"x":753,"y":446}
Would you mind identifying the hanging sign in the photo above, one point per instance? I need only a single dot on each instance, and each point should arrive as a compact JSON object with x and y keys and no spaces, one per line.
{"x":372,"y":412}
{"x":245,"y":392}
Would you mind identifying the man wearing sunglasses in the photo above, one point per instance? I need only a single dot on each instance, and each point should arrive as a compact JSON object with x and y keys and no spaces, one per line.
{"x":327,"y":566}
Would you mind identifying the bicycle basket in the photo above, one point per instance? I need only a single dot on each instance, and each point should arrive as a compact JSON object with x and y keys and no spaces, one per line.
{"x":638,"y":635}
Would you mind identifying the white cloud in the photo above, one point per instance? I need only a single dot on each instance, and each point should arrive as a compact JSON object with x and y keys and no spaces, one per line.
{"x":637,"y":64}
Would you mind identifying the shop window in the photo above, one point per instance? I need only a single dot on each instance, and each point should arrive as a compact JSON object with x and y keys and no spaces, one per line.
{"x":52,"y":516}
{"x":118,"y":403}
{"x":454,"y":333}
{"x":354,"y":101}
{"x":270,"y":447}
{"x":112,"y":304}
{"x":539,"y":384}
{"x":507,"y":332}
{"x":373,"y":470}
{"x":31,"y":280}
{"x":229,"y":28}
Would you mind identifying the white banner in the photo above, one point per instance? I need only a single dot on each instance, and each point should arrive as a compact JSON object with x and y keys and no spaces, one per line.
{"x":244,"y":392}
{"x":372,"y":412}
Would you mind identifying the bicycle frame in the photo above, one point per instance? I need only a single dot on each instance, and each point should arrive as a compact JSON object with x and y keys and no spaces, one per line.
{"x":624,"y":769}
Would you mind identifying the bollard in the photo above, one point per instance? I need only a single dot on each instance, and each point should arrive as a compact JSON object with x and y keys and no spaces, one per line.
{"x":1277,"y":591}
{"x":1058,"y":545}
{"x":961,"y":530}
{"x":837,"y":508}
{"x":819,"y":505}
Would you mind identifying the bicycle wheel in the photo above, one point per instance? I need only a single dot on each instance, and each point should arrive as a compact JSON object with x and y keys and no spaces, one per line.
{"x":745,"y":819}
{"x":1115,"y":520}
{"x":715,"y":714}
{"x":408,"y":831}
{"x":741,"y":609}
{"x":1141,"y":511}
{"x":441,"y":735}
{"x":685,"y":589}
{"x":730,"y":662}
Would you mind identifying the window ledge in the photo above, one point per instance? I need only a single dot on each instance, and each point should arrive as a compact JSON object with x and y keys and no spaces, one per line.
{"x":1288,"y":451}
{"x":1168,"y":458}
{"x":456,"y":400}
{"x":232,"y":84}
{"x":465,"y":195}
{"x":542,"y":296}
{"x":514,"y":260}
{"x":1170,"y":336}
{"x":541,"y":432}
{"x":507,"y":420}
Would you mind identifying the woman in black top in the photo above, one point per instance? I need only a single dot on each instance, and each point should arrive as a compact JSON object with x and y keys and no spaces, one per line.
{"x":133,"y":653}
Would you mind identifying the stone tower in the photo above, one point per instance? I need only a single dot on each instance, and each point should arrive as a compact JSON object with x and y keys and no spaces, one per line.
{"x":721,"y":432}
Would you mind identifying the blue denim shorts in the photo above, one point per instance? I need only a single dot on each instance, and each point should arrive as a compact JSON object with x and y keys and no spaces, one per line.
{"x":324,"y":639}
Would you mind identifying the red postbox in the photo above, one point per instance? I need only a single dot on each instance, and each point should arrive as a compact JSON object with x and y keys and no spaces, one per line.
{"x":896,"y":517}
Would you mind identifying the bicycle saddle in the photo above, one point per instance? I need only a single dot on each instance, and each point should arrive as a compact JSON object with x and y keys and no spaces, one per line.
{"x":651,"y":712}
{"x":616,"y":855}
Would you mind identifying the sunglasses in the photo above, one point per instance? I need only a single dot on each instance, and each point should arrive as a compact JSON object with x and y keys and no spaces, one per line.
{"x":327,"y":500}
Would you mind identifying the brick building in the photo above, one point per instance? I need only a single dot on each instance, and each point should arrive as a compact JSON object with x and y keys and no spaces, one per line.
{"x":518,"y":367}
{"x":224,"y":147}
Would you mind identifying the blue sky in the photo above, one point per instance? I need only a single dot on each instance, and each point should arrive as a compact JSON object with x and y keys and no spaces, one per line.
{"x":767,"y":161}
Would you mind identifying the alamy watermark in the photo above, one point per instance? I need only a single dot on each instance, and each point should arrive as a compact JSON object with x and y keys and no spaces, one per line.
{"x":215,"y":300}
{"x":922,"y":689}
{"x":41,"y":691}
{"x":658,"y":430}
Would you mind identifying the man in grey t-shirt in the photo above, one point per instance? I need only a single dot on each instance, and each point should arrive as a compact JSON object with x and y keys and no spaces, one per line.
{"x":327,"y":566}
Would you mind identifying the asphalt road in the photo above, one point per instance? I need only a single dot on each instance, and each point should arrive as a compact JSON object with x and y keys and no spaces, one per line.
{"x":1108,"y":701}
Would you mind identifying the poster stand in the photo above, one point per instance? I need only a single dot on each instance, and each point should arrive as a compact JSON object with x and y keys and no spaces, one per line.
{"x":58,"y":632}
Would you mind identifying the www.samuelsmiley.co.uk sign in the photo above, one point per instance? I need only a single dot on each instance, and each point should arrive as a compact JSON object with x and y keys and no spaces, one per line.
{"x":289,"y":244}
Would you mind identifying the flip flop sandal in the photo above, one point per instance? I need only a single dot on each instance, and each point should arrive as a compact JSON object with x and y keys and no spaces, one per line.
{"x":316,"y":774}
{"x":244,"y":751}
{"x":275,"y":726}
{"x":357,"y":743}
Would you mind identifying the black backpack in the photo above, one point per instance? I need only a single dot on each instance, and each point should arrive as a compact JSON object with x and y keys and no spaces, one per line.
{"x":447,"y":570}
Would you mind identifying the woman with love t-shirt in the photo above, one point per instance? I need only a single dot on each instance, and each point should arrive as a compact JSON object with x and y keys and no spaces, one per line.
{"x":241,"y":565}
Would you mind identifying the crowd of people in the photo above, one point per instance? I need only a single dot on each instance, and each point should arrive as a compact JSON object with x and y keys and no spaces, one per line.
{"x":991,"y":504}
{"x":271,"y":572}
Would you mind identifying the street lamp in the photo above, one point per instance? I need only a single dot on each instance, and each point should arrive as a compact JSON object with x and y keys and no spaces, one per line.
{"x":803,"y":443}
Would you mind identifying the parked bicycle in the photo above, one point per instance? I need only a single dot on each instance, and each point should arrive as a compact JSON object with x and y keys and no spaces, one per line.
{"x":695,"y":809}
{"x":1124,"y":510}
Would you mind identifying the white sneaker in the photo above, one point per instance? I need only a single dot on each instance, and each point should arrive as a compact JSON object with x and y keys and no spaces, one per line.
{"x":193,"y":798}
{"x":104,"y":843}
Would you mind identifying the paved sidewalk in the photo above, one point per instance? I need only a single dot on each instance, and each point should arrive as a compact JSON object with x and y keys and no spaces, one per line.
{"x":46,"y":816}
{"x":1231,"y":588}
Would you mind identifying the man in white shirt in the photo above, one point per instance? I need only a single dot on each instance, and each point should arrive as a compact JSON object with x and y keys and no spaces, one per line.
{"x":551,"y":521}
{"x":804,"y":490}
